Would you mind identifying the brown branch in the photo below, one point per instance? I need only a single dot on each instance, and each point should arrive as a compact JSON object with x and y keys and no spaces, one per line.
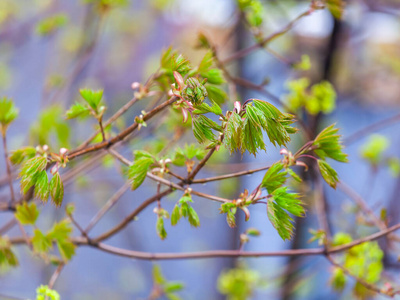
{"x":55,"y":275}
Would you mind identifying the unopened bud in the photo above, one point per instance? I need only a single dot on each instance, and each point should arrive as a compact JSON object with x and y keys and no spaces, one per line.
{"x":63,"y":151}
{"x":135,"y":85}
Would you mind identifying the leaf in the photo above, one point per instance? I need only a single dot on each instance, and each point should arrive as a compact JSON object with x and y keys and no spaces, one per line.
{"x":274,"y":178}
{"x":31,"y":171}
{"x":138,"y":170}
{"x":233,"y":133}
{"x":7,"y":256}
{"x":18,"y":156}
{"x":8,"y":113}
{"x":304,"y":64}
{"x":40,"y":242}
{"x":160,"y":228}
{"x":214,"y":76}
{"x":252,"y":136}
{"x":328,"y":173}
{"x":78,"y":110}
{"x":328,"y":144}
{"x":338,"y":279}
{"x":231,"y":219}
{"x":294,"y":175}
{"x":171,"y":60}
{"x":27,"y":214}
{"x":60,"y":231}
{"x":42,"y":185}
{"x":193,"y":217}
{"x":67,"y":249}
{"x":374,"y":148}
{"x":175,"y":215}
{"x":93,"y":98}
{"x":278,"y":207}
{"x":173,"y":286}
{"x":157,"y":275}
{"x":44,"y":292}
{"x":205,"y":108}
{"x":336,"y":7}
{"x":206,"y":62}
{"x":56,"y":189}
{"x":50,"y":24}
{"x":202,"y":129}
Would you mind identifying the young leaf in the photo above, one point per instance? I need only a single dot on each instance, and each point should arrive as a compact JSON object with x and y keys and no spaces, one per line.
{"x":42,"y":185}
{"x":294,"y":175}
{"x":274,"y":178}
{"x":18,"y":156}
{"x":233,"y":133}
{"x":160,"y":228}
{"x":93,"y":98}
{"x":214,"y":76}
{"x":60,"y":231}
{"x":78,"y":110}
{"x":44,"y":292}
{"x":193,"y":217}
{"x":40,"y":242}
{"x":328,"y":144}
{"x":8,"y":112}
{"x":175,"y":215}
{"x":328,"y":173}
{"x":373,"y":149}
{"x":252,"y":137}
{"x":7,"y":256}
{"x":279,"y":205}
{"x":138,"y":170}
{"x":66,"y":249}
{"x":26,"y":213}
{"x":202,"y":128}
{"x":216,"y":94}
{"x":56,"y":189}
{"x":30,"y":172}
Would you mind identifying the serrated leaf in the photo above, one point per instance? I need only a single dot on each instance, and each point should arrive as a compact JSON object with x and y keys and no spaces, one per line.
{"x":60,"y":231}
{"x":233,"y":133}
{"x":202,"y":129}
{"x":231,"y":219}
{"x":278,"y":207}
{"x":252,"y":138}
{"x":41,"y":243}
{"x":66,"y":249}
{"x":274,"y":178}
{"x":56,"y":189}
{"x":78,"y":110}
{"x":175,"y":215}
{"x":42,"y":185}
{"x":7,"y":256}
{"x":328,"y":144}
{"x":18,"y":156}
{"x":216,"y":94}
{"x":171,"y":61}
{"x":27,"y":214}
{"x":138,"y":170}
{"x":206,"y":62}
{"x":294,"y":175}
{"x":328,"y":173}
{"x":214,"y":76}
{"x":193,"y":218}
{"x":31,"y":171}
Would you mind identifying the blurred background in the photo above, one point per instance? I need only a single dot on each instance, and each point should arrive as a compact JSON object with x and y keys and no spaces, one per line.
{"x":49,"y":49}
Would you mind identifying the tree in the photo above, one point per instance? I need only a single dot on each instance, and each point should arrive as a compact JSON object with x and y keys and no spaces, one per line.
{"x":189,"y":102}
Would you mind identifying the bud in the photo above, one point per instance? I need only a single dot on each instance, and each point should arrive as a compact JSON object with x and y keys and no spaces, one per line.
{"x":238,"y":106}
{"x":283,"y":152}
{"x":63,"y":151}
{"x":135,"y":85}
{"x":45,"y":148}
{"x":179,"y":80}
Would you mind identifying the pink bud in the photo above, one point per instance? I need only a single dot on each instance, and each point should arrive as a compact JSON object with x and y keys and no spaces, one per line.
{"x":238,"y":106}
{"x":185,"y":115}
{"x":283,"y":152}
{"x":179,"y":80}
{"x":63,"y":151}
{"x":135,"y":85}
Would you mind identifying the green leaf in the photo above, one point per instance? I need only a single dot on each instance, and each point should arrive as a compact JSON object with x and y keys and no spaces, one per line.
{"x":18,"y":156}
{"x":78,"y":110}
{"x":8,"y":113}
{"x":66,"y":249}
{"x":274,"y":178}
{"x":44,"y":292}
{"x":233,"y":133}
{"x":252,"y":138}
{"x":93,"y":98}
{"x":42,"y":185}
{"x":60,"y":231}
{"x":26,"y":213}
{"x":214,"y":76}
{"x":173,"y":286}
{"x":138,"y":170}
{"x":338,"y":280}
{"x":294,"y":175}
{"x":193,"y":217}
{"x":202,"y":128}
{"x":205,"y":108}
{"x":329,"y":174}
{"x":328,"y":144}
{"x":160,"y":228}
{"x":304,"y":64}
{"x":206,"y":62}
{"x":31,"y":171}
{"x":171,"y":61}
{"x":40,"y":242}
{"x":157,"y":275}
{"x":279,"y":205}
{"x":7,"y":256}
{"x":56,"y":189}
{"x":50,"y":24}
{"x":175,"y":215}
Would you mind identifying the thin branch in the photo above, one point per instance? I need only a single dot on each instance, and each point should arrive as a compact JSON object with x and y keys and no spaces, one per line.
{"x":55,"y":276}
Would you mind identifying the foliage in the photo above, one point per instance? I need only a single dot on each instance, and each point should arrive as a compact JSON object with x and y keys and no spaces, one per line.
{"x":238,"y":283}
{"x":44,"y":292}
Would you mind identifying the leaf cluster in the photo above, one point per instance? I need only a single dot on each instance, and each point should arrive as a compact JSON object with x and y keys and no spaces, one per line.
{"x":184,"y":209}
{"x":168,"y":288}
